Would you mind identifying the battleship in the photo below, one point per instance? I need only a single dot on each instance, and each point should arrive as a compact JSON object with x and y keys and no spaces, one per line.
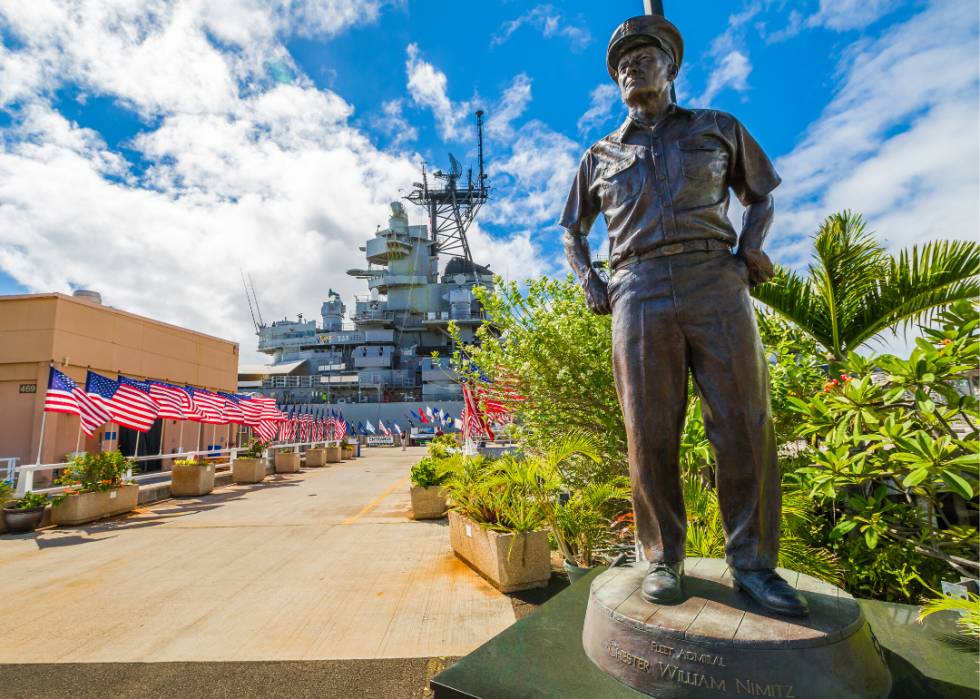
{"x":390,"y":355}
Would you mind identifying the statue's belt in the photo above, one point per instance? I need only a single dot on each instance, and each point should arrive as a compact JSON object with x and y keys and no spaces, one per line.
{"x":676,"y":249}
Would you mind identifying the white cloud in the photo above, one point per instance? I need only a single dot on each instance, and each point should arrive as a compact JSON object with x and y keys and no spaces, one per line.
{"x":392,"y":122}
{"x":836,"y":15}
{"x":731,"y":71}
{"x":240,"y":170}
{"x":729,"y":58}
{"x":842,"y":15}
{"x":899,"y":141}
{"x":535,"y":175}
{"x":514,"y":257}
{"x":427,"y":86}
{"x":603,"y":101}
{"x":550,"y":22}
{"x":512,"y":104}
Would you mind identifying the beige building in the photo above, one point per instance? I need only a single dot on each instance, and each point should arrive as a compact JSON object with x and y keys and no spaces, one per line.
{"x":78,"y":333}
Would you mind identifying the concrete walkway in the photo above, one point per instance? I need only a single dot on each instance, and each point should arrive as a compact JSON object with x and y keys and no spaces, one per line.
{"x":324,"y":564}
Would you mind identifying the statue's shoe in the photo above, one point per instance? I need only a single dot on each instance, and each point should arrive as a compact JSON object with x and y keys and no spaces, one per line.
{"x":663,"y":583}
{"x":772,"y":592}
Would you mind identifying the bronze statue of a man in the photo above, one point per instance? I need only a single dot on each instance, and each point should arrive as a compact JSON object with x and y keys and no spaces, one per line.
{"x":680,"y":303}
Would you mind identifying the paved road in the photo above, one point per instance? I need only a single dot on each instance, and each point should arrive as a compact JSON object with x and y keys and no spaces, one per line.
{"x":322,"y":565}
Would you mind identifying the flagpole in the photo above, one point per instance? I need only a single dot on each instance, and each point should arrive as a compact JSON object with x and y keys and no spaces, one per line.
{"x":180,"y":446}
{"x":78,"y":439}
{"x":26,"y":480}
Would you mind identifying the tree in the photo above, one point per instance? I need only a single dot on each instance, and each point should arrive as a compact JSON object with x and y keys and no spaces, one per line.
{"x":855,"y":291}
{"x":558,"y":356}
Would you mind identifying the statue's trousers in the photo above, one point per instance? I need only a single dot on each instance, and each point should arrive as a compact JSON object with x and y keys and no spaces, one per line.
{"x":684,"y":313}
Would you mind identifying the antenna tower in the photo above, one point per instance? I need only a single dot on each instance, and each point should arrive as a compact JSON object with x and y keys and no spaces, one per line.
{"x":453,"y":207}
{"x":249,"y":301}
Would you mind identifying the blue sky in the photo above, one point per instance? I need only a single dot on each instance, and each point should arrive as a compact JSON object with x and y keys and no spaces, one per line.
{"x":151,"y":150}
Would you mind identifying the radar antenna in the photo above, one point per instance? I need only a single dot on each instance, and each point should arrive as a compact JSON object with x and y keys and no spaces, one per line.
{"x":453,"y":207}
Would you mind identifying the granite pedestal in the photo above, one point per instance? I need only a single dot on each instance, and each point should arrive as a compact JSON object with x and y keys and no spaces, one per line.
{"x":717,"y":640}
{"x":542,"y":657}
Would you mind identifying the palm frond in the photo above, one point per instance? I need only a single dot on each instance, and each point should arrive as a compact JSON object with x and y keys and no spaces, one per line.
{"x":854,"y":291}
{"x":916,"y":284}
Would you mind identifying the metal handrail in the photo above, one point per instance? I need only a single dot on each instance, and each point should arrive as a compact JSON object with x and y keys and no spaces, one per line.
{"x":25,"y":474}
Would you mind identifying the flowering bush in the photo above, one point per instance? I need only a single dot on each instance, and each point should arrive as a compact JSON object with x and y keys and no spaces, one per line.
{"x":255,"y":449}
{"x":189,"y":462}
{"x":892,"y":445}
{"x":95,"y":472}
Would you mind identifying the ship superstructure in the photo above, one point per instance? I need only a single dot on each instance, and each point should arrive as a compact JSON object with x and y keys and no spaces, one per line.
{"x":380,"y":350}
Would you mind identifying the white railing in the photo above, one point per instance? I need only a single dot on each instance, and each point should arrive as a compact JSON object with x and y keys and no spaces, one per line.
{"x":8,"y":467}
{"x":25,"y":474}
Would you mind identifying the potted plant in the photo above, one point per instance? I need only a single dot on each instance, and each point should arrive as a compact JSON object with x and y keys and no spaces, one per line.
{"x":428,"y":477}
{"x":191,"y":479}
{"x":316,"y":457}
{"x":346,"y":450}
{"x":496,"y":527}
{"x":24,"y":515}
{"x":288,"y":461}
{"x":96,"y":486}
{"x":333,"y":453}
{"x":6,"y":491}
{"x":578,"y":510}
{"x":250,"y":466}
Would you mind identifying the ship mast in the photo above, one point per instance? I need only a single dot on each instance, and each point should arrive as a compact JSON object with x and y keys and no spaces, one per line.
{"x":453,"y":207}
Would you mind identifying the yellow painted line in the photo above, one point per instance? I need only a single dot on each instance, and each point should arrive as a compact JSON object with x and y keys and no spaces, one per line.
{"x":383,"y":496}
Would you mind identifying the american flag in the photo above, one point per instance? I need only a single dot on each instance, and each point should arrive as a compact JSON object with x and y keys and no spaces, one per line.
{"x":210,"y":404}
{"x":129,"y":406}
{"x":270,"y":418}
{"x":60,"y":397}
{"x":93,"y":415}
{"x":252,"y":410}
{"x":474,"y":424}
{"x":318,"y":427}
{"x":233,"y":413}
{"x":169,"y":398}
{"x":192,"y":411}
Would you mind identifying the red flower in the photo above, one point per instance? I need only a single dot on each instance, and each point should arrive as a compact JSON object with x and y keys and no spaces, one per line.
{"x":946,"y":341}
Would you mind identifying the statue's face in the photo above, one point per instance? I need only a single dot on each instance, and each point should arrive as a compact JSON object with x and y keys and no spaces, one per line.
{"x":644,"y":72}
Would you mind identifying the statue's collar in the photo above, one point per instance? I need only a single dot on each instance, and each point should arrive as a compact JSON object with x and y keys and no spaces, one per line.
{"x":623,"y":132}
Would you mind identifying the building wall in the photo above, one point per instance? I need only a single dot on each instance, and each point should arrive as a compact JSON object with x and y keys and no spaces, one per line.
{"x":76,"y":335}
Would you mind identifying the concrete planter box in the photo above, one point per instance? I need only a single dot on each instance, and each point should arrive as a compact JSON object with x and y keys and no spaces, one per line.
{"x":347,"y":454}
{"x":248,"y":470}
{"x":316,"y":457}
{"x":88,"y":507}
{"x":288,"y":461}
{"x":428,"y":503}
{"x":191,"y":481}
{"x":333,"y":455}
{"x":529,"y":565}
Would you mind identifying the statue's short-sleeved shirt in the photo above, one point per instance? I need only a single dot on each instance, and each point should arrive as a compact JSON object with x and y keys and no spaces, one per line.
{"x":668,"y":184}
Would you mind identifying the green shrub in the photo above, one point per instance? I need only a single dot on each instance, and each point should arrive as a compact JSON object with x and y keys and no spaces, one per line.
{"x":885,"y":458}
{"x":429,"y":472}
{"x":31,"y":500}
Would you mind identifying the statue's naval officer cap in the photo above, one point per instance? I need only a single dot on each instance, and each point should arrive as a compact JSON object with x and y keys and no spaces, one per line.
{"x":645,"y":30}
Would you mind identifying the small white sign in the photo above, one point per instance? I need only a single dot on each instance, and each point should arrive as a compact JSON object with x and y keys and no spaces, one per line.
{"x":209,"y":468}
{"x":469,"y":532}
{"x":112,"y":494}
{"x":380,"y":439}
